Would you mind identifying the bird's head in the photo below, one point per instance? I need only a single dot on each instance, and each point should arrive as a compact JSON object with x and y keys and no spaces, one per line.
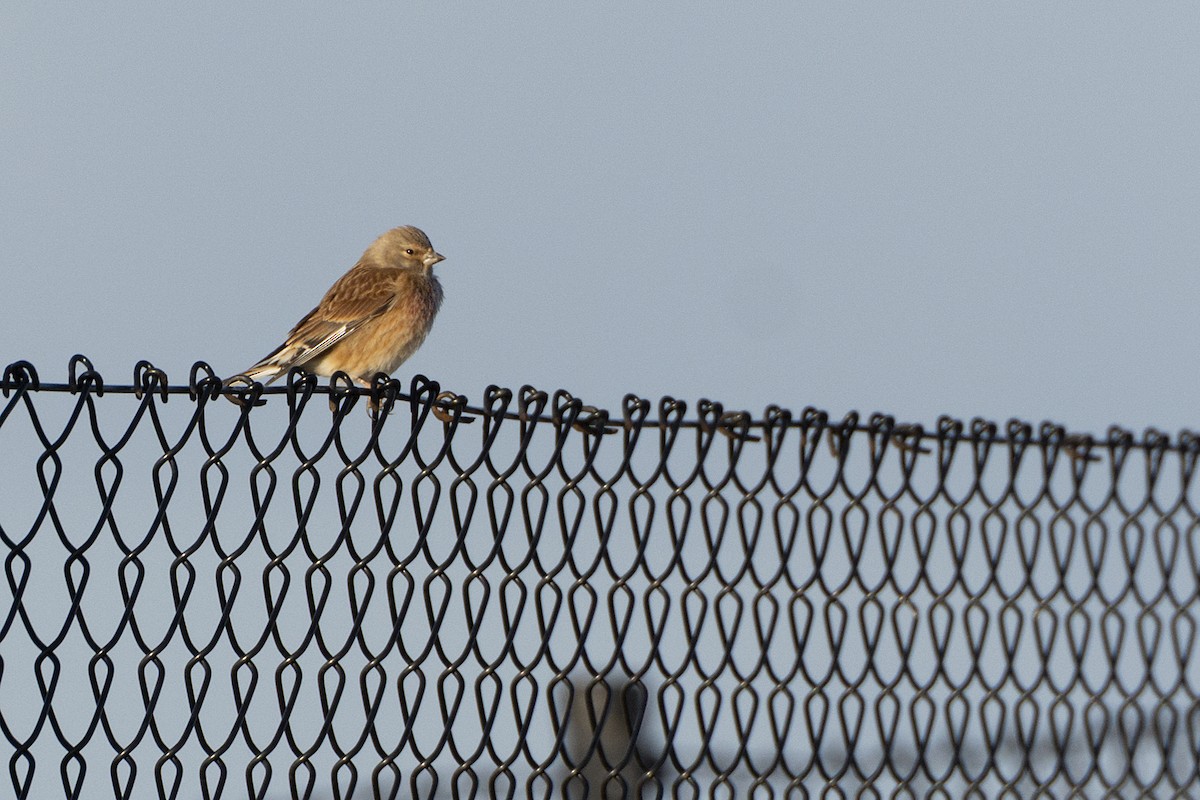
{"x":405,"y":247}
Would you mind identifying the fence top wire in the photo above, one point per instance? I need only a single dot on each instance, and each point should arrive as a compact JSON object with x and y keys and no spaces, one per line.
{"x":534,"y":405}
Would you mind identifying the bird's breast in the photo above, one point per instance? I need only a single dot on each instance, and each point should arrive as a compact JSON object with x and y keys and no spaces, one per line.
{"x":387,"y":341}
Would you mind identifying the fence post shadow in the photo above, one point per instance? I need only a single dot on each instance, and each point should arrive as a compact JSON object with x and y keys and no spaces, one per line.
{"x":608,"y":750}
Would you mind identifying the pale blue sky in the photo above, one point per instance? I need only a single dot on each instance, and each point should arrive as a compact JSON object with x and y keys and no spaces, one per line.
{"x":976,"y":209}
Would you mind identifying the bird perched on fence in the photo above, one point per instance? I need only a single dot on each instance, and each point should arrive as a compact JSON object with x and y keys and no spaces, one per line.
{"x":371,"y":320}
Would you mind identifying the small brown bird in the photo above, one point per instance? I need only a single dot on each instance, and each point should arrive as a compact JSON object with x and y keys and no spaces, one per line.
{"x":371,"y":320}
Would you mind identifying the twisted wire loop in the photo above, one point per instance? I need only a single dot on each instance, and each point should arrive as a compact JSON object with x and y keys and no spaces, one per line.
{"x":533,"y":597}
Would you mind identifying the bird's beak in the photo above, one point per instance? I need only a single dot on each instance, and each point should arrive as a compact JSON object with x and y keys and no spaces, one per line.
{"x":434,"y":258}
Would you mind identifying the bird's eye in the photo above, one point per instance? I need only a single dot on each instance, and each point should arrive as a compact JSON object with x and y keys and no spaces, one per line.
{"x":409,"y":251}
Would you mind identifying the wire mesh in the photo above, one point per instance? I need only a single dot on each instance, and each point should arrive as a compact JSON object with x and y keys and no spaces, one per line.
{"x":288,"y":596}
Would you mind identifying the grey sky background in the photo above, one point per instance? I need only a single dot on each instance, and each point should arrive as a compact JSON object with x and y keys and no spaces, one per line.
{"x":979,"y":209}
{"x":975,"y":209}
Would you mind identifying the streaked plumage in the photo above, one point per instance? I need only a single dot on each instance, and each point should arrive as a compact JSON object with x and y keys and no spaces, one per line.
{"x":371,"y":320}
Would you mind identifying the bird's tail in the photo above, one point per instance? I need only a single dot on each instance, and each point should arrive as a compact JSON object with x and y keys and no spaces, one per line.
{"x":274,"y":365}
{"x":266,"y":371}
{"x":263,"y":373}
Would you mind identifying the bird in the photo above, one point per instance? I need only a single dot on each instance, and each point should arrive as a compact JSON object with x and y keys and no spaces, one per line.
{"x":370,"y":321}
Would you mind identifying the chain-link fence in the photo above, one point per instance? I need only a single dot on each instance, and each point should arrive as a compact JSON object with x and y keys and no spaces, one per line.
{"x":294,"y":595}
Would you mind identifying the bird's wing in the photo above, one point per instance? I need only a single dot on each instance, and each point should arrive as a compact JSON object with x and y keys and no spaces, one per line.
{"x":356,"y":298}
